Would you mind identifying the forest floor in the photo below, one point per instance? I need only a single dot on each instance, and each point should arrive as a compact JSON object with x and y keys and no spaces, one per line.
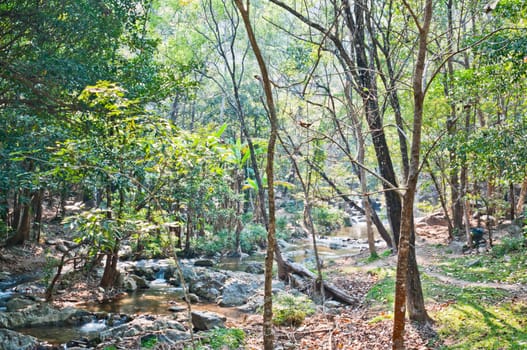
{"x":368,"y":323}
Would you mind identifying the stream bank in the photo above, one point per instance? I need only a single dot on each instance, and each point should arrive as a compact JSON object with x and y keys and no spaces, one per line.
{"x":221,"y":294}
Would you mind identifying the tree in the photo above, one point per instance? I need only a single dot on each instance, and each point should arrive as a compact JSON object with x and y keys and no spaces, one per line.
{"x":418,"y":88}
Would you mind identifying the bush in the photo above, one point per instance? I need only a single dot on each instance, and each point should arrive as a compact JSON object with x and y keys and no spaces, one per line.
{"x":224,"y":338}
{"x":508,"y":245}
{"x":252,"y":237}
{"x":291,"y":310}
{"x":327,"y":219}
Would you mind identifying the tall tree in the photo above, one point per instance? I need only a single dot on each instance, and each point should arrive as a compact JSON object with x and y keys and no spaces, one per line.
{"x":418,"y":88}
{"x":271,"y":230}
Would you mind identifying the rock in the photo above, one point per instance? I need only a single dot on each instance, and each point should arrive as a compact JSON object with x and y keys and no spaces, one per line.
{"x":11,"y":340}
{"x":193,"y":298}
{"x":16,"y":304}
{"x":473,"y":263}
{"x":253,"y":304}
{"x":255,"y":268}
{"x":38,"y":315}
{"x":144,"y":325}
{"x":456,"y":247}
{"x":129,"y":284}
{"x":177,"y":308}
{"x":5,"y":276}
{"x":139,"y":281}
{"x":204,"y":263}
{"x":62,"y":248}
{"x":176,"y":335}
{"x":332,"y":303}
{"x":237,"y":292}
{"x":335,"y":245}
{"x":70,"y":244}
{"x":53,"y":241}
{"x":204,"y":321}
{"x":511,"y":229}
{"x":207,"y":284}
{"x":283,"y":244}
{"x":488,"y":218}
{"x":435,"y":219}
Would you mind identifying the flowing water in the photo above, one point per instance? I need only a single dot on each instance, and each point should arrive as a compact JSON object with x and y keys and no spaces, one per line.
{"x":161,"y":296}
{"x":61,"y":334}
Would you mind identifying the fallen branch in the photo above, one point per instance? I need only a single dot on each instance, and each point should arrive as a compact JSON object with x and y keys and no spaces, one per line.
{"x":330,"y":290}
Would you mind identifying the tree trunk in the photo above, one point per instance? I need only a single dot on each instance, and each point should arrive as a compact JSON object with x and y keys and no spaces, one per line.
{"x":406,"y":250}
{"x":23,"y":222}
{"x":268,"y":337}
{"x":110,"y":273}
{"x":37,"y":209}
{"x":521,"y":197}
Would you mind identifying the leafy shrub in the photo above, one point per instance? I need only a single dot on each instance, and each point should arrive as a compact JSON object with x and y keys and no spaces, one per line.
{"x":252,"y":237}
{"x":327,"y":219}
{"x":508,"y":245}
{"x":223,"y":338}
{"x":291,"y":310}
{"x":148,"y":341}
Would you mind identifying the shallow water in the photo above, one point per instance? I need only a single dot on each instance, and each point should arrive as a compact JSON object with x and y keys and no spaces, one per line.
{"x":156,"y":301}
{"x":60,"y":334}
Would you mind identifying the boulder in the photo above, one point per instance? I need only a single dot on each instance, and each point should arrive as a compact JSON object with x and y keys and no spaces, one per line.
{"x":139,"y":281}
{"x":255,"y":268}
{"x":16,"y":304}
{"x":207,"y":284}
{"x":204,"y":320}
{"x":144,"y":325}
{"x":129,"y":284}
{"x":11,"y":340}
{"x":39,"y":315}
{"x":237,"y":292}
{"x":177,"y":308}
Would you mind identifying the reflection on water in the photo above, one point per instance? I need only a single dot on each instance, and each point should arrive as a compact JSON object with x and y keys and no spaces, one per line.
{"x":60,"y":334}
{"x":238,"y":264}
{"x":157,"y":301}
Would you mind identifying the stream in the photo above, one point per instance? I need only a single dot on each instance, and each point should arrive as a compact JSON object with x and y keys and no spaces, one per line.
{"x":157,"y":299}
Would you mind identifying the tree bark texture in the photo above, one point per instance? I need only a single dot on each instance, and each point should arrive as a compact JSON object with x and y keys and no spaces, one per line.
{"x":405,"y":249}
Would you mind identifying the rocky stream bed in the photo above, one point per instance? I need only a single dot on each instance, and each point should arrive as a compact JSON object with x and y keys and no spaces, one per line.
{"x":150,"y":303}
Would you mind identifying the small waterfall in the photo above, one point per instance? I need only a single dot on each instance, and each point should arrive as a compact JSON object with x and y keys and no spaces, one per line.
{"x":93,"y":326}
{"x":160,"y":280}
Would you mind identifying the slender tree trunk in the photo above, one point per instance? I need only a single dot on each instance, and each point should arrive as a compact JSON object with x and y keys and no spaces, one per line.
{"x":521,"y":197}
{"x":443,"y":202}
{"x":110,"y":273}
{"x":406,"y":250}
{"x":37,"y":209}
{"x":22,"y":219}
{"x":268,"y":337}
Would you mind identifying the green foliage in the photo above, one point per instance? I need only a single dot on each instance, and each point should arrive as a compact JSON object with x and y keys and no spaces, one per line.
{"x":326,"y":218}
{"x":509,"y":245}
{"x":384,"y":290}
{"x":291,"y":310}
{"x":479,"y":325}
{"x":148,"y":341}
{"x":49,"y":268}
{"x":252,"y":237}
{"x":505,"y":264}
{"x":223,"y":339}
